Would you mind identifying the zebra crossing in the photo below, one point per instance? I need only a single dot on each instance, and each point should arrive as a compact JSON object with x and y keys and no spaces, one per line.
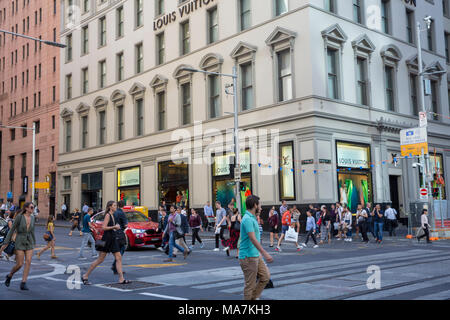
{"x":343,"y":278}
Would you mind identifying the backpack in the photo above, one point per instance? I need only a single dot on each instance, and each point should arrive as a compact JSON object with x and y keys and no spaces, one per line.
{"x":184,"y":224}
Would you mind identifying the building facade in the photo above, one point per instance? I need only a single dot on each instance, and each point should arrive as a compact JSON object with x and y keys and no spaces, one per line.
{"x":326,"y":87}
{"x":29,"y":93}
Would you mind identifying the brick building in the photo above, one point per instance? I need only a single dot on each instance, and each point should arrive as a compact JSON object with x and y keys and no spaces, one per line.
{"x":29,"y":93}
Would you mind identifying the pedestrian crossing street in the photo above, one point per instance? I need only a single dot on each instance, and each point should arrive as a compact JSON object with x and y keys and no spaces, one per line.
{"x":402,"y":275}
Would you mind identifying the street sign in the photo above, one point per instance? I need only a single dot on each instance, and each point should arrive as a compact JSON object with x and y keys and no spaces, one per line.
{"x":423,"y":121}
{"x":423,"y":192}
{"x":9,"y":195}
{"x":413,"y":140}
{"x":237,"y":174}
{"x":41,"y":185}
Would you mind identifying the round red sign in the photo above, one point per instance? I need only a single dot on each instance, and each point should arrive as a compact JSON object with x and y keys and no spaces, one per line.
{"x":423,"y":192}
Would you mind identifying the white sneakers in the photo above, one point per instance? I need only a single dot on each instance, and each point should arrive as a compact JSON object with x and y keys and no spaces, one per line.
{"x":303,"y":244}
{"x":348,"y":239}
{"x":202,"y":245}
{"x":216,"y":249}
{"x":316,"y":246}
{"x":226,"y":249}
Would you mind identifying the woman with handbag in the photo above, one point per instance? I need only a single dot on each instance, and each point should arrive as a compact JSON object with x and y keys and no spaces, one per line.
{"x":173,"y":229}
{"x":325,"y":226}
{"x":76,"y":217}
{"x":235,"y":232}
{"x":10,"y":220}
{"x":24,"y":244}
{"x":49,"y":236}
{"x":273,"y":223}
{"x":425,"y":226}
{"x":108,"y":244}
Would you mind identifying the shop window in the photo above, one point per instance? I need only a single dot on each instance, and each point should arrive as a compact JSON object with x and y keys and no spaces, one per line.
{"x":129,"y":186}
{"x":354,"y":174}
{"x":173,"y":183}
{"x":223,"y":177}
{"x":287,"y":171}
{"x":92,"y":189}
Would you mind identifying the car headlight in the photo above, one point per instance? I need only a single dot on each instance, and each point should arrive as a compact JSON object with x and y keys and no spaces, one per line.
{"x":137,"y":231}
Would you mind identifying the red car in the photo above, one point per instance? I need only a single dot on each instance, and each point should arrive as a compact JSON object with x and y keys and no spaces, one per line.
{"x":141,"y":231}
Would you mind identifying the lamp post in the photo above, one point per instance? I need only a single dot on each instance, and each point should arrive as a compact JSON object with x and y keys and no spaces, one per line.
{"x":426,"y":168}
{"x":33,"y":157}
{"x":49,"y":43}
{"x":237,"y":173}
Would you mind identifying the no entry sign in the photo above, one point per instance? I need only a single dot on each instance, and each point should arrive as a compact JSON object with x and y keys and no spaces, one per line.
{"x":423,"y":194}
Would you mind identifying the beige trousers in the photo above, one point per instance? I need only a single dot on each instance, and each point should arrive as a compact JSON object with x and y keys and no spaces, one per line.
{"x":254,"y":268}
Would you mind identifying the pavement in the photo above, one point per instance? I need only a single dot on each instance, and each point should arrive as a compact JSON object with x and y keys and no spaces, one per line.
{"x":407,"y":269}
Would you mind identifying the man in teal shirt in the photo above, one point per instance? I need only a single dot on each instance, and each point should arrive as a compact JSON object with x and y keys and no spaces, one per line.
{"x":256,"y":273}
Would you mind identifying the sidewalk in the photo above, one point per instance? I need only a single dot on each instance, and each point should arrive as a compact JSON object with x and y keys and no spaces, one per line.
{"x":401,"y":231}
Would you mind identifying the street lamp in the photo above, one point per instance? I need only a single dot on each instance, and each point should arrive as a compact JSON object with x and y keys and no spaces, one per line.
{"x":50,"y":43}
{"x":33,"y":173}
{"x":53,"y":44}
{"x":234,"y":76}
{"x":422,"y":73}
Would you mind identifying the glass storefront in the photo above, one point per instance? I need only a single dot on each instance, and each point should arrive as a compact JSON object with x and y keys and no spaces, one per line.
{"x":173,"y":183}
{"x":438,"y":183}
{"x":354,"y":174}
{"x":129,"y":186}
{"x":286,"y":175}
{"x":91,"y":190}
{"x":223,"y":177}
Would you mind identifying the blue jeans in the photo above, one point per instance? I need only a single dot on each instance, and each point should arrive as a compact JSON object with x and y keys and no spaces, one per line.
{"x":349,"y":232}
{"x":87,"y":237}
{"x":379,"y":230}
{"x":172,"y":244}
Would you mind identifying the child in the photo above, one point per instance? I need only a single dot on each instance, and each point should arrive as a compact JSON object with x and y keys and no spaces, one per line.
{"x":311,"y":229}
{"x":50,"y":239}
{"x":286,"y":223}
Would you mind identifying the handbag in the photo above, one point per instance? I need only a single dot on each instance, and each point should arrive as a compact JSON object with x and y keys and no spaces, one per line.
{"x":237,"y":226}
{"x":48,"y":236}
{"x":420,"y":232}
{"x":218,"y":230}
{"x":178,"y":235}
{"x":336,"y":225}
{"x":291,"y":235}
{"x":121,"y":237}
{"x":100,"y":244}
{"x":10,"y":248}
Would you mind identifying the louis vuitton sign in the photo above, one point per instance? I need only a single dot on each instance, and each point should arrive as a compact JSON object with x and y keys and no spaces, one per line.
{"x":184,"y":10}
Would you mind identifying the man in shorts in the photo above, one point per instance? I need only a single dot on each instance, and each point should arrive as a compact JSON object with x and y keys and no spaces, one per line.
{"x":286,"y":222}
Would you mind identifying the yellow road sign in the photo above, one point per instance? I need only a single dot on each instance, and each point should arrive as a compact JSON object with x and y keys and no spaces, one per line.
{"x":414,"y":149}
{"x":40,"y":185}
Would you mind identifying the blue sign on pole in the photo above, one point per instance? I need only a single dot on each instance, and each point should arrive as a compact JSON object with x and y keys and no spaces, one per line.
{"x":9,"y":195}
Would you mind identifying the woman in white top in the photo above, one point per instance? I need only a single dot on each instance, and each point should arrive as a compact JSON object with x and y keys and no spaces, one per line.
{"x":348,"y":224}
{"x":425,"y":226}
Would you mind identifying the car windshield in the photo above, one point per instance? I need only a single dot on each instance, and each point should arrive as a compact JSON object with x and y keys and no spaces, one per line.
{"x":99,"y":217}
{"x":135,"y":216}
{"x":3,"y":223}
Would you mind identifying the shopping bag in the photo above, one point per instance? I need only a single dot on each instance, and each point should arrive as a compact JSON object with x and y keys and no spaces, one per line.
{"x":420,"y":232}
{"x":291,"y":235}
{"x":218,"y":230}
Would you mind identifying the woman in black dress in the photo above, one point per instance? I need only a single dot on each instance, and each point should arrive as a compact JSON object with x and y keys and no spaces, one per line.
{"x":232,"y":243}
{"x":111,"y":244}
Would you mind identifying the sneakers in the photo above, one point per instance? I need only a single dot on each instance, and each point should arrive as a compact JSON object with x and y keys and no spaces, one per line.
{"x":82,"y":258}
{"x":202,"y":245}
{"x":299,"y":249}
{"x":168,"y":260}
{"x":216,"y":249}
{"x":316,"y":246}
{"x":339,"y":239}
{"x":278,"y":249}
{"x":95,"y":256}
{"x":226,"y":249}
{"x":191,"y":247}
{"x":350,"y":239}
{"x":303,"y":245}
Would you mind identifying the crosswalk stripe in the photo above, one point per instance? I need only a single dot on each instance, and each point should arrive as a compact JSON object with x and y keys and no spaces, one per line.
{"x":162,"y":296}
{"x":443,"y":295}
{"x":301,"y":272}
{"x":396,"y":291}
{"x":198,"y":278}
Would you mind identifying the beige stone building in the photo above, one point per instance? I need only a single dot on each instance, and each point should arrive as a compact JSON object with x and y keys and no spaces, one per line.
{"x":338,"y":79}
